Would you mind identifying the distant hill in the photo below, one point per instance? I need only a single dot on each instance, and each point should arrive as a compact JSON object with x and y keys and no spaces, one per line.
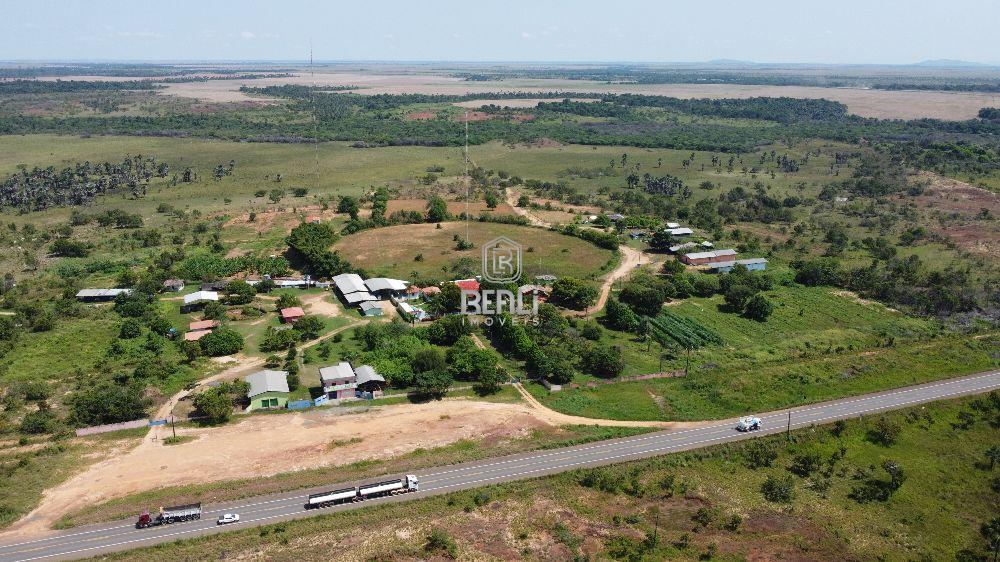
{"x":950,"y":63}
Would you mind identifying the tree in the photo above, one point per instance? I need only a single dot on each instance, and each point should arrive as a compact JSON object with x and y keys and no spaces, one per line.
{"x":759,"y":454}
{"x":778,"y":490}
{"x":130,"y":328}
{"x":287,"y":300}
{"x":437,"y":209}
{"x":428,"y":359}
{"x":523,"y":201}
{"x":491,"y":376}
{"x":572,"y":293}
{"x":215,"y":404}
{"x":990,"y":532}
{"x":737,"y":296}
{"x":883,"y":432}
{"x":108,"y":402}
{"x":240,"y":292}
{"x":448,"y":330}
{"x":309,"y":327}
{"x":446,"y":301}
{"x":214,"y":310}
{"x":349,"y":205}
{"x":69,"y":248}
{"x":758,"y":308}
{"x":620,"y":317}
{"x":705,"y":285}
{"x":432,"y":384}
{"x":820,"y":271}
{"x":221,"y":341}
{"x":661,"y":241}
{"x":603,"y":361}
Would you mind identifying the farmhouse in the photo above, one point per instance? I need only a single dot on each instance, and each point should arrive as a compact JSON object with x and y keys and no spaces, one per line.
{"x":384,"y":287}
{"x":291,"y":282}
{"x":214,"y":286}
{"x":352,"y":288}
{"x":683,"y":231}
{"x":173,"y":285}
{"x":292,"y":314}
{"x":100,"y":295}
{"x":338,"y":381}
{"x":412,"y":293}
{"x":705,"y":258}
{"x":753,"y":264}
{"x":681,"y":247}
{"x":430,"y":291}
{"x":537,"y":291}
{"x":195,"y":335}
{"x":198,"y":299}
{"x":409,"y":312}
{"x":268,"y":389}
{"x":616,"y":217}
{"x":203,"y":325}
{"x":370,"y":308}
{"x":673,"y":225}
{"x":467,"y":284}
{"x":370,"y":383}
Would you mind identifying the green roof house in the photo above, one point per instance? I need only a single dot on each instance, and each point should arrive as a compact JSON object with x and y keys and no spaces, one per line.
{"x":268,"y":389}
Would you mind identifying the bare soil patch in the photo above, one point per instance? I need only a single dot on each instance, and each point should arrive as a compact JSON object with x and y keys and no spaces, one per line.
{"x":420,"y":116}
{"x":970,"y":231}
{"x":514,"y":103}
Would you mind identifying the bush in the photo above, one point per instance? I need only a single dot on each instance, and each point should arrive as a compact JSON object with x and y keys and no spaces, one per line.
{"x":778,"y":490}
{"x":221,"y":341}
{"x":603,"y":361}
{"x":439,"y":542}
{"x":215,"y":404}
{"x":759,"y":454}
{"x":38,"y":422}
{"x":130,"y":328}
{"x":883,"y":432}
{"x":620,"y":317}
{"x":705,"y":285}
{"x":758,"y":308}
{"x":309,"y":327}
{"x":571,"y":293}
{"x":109,"y":403}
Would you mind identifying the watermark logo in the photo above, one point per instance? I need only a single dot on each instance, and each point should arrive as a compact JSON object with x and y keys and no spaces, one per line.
{"x":502,"y":260}
{"x":502,"y":265}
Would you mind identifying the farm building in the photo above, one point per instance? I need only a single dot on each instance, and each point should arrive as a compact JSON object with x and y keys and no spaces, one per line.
{"x":467,"y":284}
{"x":412,"y":293}
{"x":291,"y":282}
{"x":410,"y":313}
{"x":705,"y":258}
{"x":753,"y":264}
{"x":173,"y":285}
{"x":616,"y":217}
{"x":203,"y":325}
{"x":681,"y":247}
{"x":352,"y":288}
{"x":214,"y":286}
{"x":547,"y":278}
{"x":384,"y":287}
{"x":268,"y":389}
{"x":673,"y":225}
{"x":292,"y":314}
{"x":100,"y":295}
{"x":338,"y":380}
{"x":370,"y":308}
{"x":369,"y":381}
{"x":195,"y":335}
{"x":683,"y":231}
{"x":198,"y":299}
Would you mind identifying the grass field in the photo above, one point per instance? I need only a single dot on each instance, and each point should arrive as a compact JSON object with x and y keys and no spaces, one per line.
{"x":703,"y":504}
{"x":392,"y":251}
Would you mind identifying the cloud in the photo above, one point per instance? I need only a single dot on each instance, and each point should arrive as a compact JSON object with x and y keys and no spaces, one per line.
{"x":141,"y":34}
{"x":251,"y":35}
{"x":526,"y":35}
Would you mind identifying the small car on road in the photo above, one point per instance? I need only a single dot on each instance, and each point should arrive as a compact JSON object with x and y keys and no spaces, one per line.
{"x":227,"y":518}
{"x":748,"y":423}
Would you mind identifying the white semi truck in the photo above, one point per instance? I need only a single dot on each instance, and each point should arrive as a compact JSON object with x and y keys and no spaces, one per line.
{"x":409,"y":483}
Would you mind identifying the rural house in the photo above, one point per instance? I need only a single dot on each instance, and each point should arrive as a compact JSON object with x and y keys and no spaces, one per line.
{"x":268,"y":389}
{"x":203,"y":325}
{"x":198,"y":299}
{"x":705,"y":258}
{"x":292,"y":314}
{"x":339,"y":381}
{"x":100,"y":295}
{"x":752,"y":264}
{"x":384,"y":288}
{"x":173,"y":285}
{"x":370,"y":308}
{"x":370,"y":383}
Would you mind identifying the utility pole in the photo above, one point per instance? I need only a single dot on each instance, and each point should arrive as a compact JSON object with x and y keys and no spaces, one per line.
{"x":687,"y":362}
{"x":788,"y":430}
{"x":173,"y":425}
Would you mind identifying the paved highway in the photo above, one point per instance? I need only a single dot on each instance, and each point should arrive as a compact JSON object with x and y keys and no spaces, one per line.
{"x":91,"y":540}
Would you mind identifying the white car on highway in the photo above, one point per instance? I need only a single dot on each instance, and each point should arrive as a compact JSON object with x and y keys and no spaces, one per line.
{"x":229,"y":518}
{"x":748,"y":423}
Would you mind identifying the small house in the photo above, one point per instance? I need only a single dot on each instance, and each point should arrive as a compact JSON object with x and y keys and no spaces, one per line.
{"x":338,"y":381}
{"x":291,"y":282}
{"x":370,"y":308}
{"x":195,"y":335}
{"x":429,"y":292}
{"x":705,"y":258}
{"x":292,"y":314}
{"x":100,"y":295}
{"x":198,"y":299}
{"x":409,"y":312}
{"x":681,"y":247}
{"x":268,"y":389}
{"x":467,"y":284}
{"x":412,"y":293}
{"x":214,"y":286}
{"x":616,"y":217}
{"x":203,"y":325}
{"x":673,"y":225}
{"x":752,"y":264}
{"x":546,"y":278}
{"x":678,"y":232}
{"x":173,"y":285}
{"x":537,"y":291}
{"x":369,"y":381}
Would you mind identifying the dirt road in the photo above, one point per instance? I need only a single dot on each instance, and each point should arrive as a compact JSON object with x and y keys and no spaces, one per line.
{"x":631,"y":258}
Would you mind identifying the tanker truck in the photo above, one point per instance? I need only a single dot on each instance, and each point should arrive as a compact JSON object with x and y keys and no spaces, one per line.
{"x":168,"y":515}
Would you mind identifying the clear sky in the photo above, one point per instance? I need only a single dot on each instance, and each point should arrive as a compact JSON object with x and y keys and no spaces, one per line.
{"x":831,"y":31}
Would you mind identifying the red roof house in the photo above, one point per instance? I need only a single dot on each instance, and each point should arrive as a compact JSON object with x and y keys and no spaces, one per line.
{"x":292,"y":314}
{"x":468,"y":284}
{"x":203,"y":325}
{"x":196,"y":335}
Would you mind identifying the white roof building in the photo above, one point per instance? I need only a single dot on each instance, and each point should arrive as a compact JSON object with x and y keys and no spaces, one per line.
{"x":360,"y":296}
{"x":385,"y":284}
{"x":680,"y":231}
{"x":201,"y":296}
{"x":348,"y":283}
{"x":101,"y":293}
{"x":339,"y":371}
{"x":673,"y":225}
{"x":366,"y":373}
{"x":267,"y":381}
